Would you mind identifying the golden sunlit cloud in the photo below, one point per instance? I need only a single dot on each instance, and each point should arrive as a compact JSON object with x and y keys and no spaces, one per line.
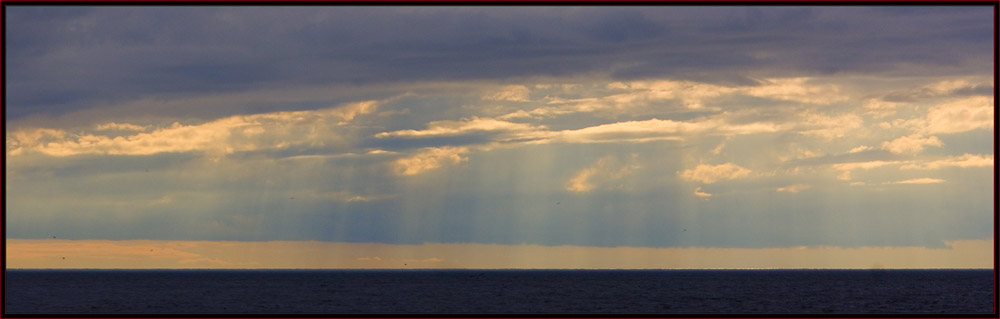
{"x":793,"y":188}
{"x":861,"y":148}
{"x":880,"y":108}
{"x":800,"y":89}
{"x":627,"y":131}
{"x":466,"y":126}
{"x":430,"y":158}
{"x":712,"y":173}
{"x":699,"y":193}
{"x":605,"y":170}
{"x":217,"y":137}
{"x":846,"y":168}
{"x":826,"y":126}
{"x":656,"y":130}
{"x":910,"y":144}
{"x":965,"y":160}
{"x":921,"y":181}
{"x":344,"y":196}
{"x":960,"y":116}
{"x":636,"y":96}
{"x":516,"y":93}
{"x":120,"y":127}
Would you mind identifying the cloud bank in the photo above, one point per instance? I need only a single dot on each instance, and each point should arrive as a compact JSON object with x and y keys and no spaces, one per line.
{"x":588,"y":127}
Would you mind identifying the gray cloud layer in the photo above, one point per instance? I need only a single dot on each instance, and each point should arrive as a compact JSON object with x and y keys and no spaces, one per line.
{"x":62,"y":59}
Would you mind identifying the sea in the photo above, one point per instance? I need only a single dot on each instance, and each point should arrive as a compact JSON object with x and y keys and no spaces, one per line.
{"x":500,"y":291}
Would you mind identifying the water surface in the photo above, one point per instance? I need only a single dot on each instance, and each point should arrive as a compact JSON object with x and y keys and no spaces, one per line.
{"x":500,"y":291}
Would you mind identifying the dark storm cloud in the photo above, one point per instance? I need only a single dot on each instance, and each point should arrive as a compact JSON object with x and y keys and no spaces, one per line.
{"x":62,"y":59}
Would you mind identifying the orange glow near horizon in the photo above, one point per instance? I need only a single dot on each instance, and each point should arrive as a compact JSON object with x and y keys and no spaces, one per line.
{"x":155,"y":254}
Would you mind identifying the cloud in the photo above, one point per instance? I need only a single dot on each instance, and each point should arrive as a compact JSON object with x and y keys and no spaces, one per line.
{"x":618,"y":98}
{"x":656,"y":129}
{"x":580,"y":183}
{"x":120,"y":127}
{"x":560,"y":106}
{"x":710,"y":174}
{"x":692,"y":95}
{"x":601,"y":100}
{"x":921,"y":181}
{"x":20,"y":141}
{"x":218,"y":137}
{"x":943,"y":88}
{"x":504,"y":129}
{"x":346,"y":112}
{"x":955,"y":116}
{"x":217,"y":50}
{"x":605,"y":170}
{"x":626,"y":131}
{"x":846,"y":168}
{"x":910,"y":144}
{"x":647,"y":130}
{"x":93,"y":94}
{"x":863,"y":165}
{"x":345,"y":196}
{"x":718,"y":148}
{"x":797,"y":89}
{"x":826,"y":126}
{"x":800,"y":154}
{"x":960,"y":116}
{"x":880,"y":108}
{"x":795,"y":188}
{"x":860,"y":148}
{"x":515,"y":93}
{"x":965,"y":160}
{"x":649,"y":96}
{"x":698,"y":192}
{"x":430,"y":158}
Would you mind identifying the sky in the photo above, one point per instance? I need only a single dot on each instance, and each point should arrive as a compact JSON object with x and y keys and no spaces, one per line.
{"x":499,"y":137}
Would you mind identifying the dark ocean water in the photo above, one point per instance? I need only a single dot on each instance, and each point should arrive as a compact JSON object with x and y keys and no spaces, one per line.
{"x":500,"y":291}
